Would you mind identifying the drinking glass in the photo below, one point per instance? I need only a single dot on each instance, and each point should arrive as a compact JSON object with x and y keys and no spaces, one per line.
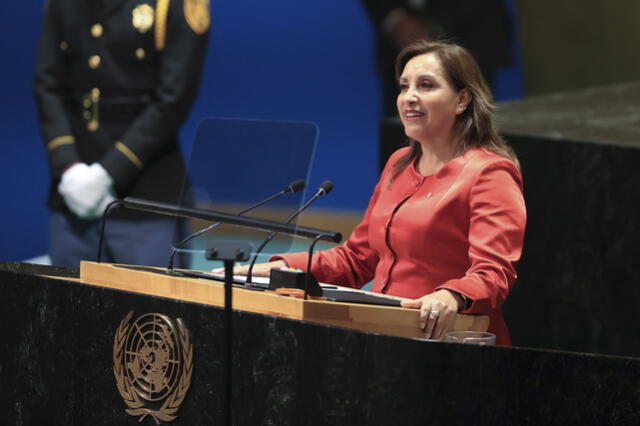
{"x":470,"y":337}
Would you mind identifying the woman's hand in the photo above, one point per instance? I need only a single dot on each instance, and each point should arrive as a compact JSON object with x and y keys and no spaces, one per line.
{"x":259,"y":269}
{"x":437,"y":312}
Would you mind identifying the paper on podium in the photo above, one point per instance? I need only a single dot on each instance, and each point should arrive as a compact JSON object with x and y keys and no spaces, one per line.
{"x":331,"y":292}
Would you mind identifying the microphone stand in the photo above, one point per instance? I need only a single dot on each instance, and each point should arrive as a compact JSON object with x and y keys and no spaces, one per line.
{"x":294,"y":186}
{"x":212,"y":216}
{"x":325,"y":188}
{"x":307,"y":281}
{"x":103,"y":226}
{"x":228,"y":252}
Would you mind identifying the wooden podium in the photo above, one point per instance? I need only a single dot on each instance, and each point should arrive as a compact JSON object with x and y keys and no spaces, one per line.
{"x":388,"y":320}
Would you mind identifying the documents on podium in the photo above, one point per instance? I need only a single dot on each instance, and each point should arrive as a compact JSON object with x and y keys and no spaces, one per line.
{"x":390,"y":320}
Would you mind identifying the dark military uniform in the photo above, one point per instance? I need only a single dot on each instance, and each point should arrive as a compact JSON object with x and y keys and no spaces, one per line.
{"x":114,"y":81}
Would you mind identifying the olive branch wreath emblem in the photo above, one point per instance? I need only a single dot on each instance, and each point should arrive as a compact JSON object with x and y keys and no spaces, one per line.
{"x":132,"y":396}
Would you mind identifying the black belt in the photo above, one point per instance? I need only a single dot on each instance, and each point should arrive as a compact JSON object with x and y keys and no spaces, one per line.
{"x":95,"y":108}
{"x":119,"y":111}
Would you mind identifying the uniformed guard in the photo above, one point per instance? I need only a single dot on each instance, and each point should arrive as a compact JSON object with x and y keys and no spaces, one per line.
{"x":114,"y":81}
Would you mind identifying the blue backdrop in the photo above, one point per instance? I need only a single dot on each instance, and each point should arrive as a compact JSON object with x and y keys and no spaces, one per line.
{"x":281,"y":59}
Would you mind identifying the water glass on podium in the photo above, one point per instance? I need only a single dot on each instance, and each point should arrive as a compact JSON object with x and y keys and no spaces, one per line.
{"x":470,"y":337}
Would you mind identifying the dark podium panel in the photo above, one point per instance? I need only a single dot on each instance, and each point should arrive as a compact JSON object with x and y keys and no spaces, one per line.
{"x":578,"y":282}
{"x":56,"y":367}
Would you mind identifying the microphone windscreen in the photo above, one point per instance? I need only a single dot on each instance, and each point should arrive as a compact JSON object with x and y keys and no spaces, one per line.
{"x":296,"y":185}
{"x":326,"y":186}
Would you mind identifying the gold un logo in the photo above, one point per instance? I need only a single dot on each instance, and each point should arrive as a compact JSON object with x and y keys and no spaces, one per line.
{"x":153,"y":362}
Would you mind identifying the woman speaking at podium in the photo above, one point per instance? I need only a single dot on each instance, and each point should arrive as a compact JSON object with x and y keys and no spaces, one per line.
{"x":446,"y":221}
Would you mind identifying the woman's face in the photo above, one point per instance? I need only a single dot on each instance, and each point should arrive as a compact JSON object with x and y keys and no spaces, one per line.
{"x":427,"y":103}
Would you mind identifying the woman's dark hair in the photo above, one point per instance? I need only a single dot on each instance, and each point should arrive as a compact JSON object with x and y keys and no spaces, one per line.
{"x":474,"y":127}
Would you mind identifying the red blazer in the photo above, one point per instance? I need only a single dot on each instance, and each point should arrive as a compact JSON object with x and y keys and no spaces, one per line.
{"x":460,"y":229}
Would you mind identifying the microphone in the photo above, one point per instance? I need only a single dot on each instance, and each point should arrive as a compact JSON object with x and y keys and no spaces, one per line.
{"x":295,"y":186}
{"x":324,"y":189}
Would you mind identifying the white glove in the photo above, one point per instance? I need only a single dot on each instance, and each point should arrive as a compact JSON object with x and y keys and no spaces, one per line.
{"x":86,"y":189}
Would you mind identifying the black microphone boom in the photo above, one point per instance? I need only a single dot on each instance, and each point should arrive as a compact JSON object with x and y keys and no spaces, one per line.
{"x":232,"y":219}
{"x":295,"y":186}
{"x":324,"y":189}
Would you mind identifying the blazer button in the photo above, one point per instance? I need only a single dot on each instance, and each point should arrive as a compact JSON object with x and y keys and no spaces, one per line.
{"x":140,"y":53}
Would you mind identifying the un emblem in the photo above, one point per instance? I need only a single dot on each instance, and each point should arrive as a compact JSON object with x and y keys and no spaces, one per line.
{"x":153,"y":362}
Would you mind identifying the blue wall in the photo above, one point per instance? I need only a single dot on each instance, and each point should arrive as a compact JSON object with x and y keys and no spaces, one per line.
{"x":280,"y":59}
{"x":22,"y":162}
